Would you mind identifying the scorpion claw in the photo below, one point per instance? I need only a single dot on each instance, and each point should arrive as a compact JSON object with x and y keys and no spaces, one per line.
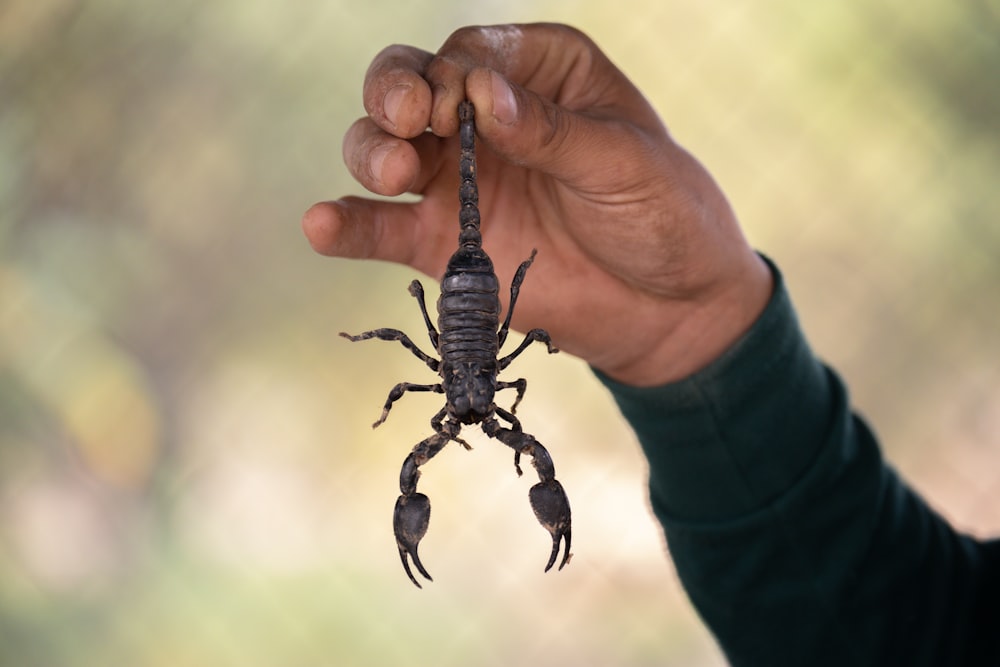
{"x":551,"y":507}
{"x":409,"y":523}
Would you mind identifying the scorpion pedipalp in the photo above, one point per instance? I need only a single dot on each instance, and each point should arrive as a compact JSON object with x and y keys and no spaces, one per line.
{"x":548,"y":498}
{"x":412,"y":513}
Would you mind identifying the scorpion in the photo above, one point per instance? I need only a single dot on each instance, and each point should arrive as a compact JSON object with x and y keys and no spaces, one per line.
{"x":468,"y":339}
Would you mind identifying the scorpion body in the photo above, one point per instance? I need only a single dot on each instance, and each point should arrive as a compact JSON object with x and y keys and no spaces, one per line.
{"x":468,"y":339}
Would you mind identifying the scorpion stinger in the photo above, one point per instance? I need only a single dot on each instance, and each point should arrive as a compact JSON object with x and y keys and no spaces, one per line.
{"x":468,"y":338}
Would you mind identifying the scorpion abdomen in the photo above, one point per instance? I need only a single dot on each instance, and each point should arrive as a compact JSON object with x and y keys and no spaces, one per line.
{"x":469,"y":308}
{"x":472,"y":332}
{"x":470,"y":281}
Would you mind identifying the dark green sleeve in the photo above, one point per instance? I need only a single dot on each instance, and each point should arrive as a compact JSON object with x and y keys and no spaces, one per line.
{"x":795,"y":541}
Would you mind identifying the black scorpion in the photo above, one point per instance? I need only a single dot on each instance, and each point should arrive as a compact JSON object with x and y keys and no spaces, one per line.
{"x":469,"y":343}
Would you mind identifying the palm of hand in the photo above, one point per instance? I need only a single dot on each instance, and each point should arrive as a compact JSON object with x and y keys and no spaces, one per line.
{"x":642,"y":269}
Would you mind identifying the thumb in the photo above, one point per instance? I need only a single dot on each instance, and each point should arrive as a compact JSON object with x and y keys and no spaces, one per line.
{"x":529,"y":130}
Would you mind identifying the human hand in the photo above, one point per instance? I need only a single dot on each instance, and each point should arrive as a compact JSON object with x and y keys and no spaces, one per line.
{"x":642,"y":269}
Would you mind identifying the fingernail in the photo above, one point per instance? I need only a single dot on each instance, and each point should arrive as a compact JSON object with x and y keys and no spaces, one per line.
{"x":504,"y":102}
{"x":377,"y":159}
{"x":392,"y":100}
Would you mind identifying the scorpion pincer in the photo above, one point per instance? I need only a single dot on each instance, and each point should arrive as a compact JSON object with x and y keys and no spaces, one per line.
{"x":468,"y":339}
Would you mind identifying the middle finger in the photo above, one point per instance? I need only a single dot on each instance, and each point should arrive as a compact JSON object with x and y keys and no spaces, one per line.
{"x":396,"y":95}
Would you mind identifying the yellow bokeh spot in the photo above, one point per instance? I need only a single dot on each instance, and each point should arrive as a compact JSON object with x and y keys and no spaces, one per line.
{"x":107,"y":409}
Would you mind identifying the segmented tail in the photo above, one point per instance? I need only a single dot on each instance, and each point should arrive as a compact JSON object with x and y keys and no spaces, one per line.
{"x":468,"y":191}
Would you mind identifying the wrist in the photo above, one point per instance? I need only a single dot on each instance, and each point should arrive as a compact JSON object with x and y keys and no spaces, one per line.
{"x":690,"y":335}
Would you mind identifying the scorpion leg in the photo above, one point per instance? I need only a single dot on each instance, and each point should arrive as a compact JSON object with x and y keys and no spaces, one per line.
{"x":520,"y":385}
{"x":437,"y":423}
{"x":397,"y":392}
{"x":417,"y":291}
{"x":395,"y":334}
{"x":548,"y":498}
{"x":412,"y":513}
{"x":515,"y":289}
{"x":540,"y":335}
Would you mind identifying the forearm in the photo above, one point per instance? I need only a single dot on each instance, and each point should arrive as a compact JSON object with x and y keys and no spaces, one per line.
{"x":794,"y":541}
{"x":711,"y":438}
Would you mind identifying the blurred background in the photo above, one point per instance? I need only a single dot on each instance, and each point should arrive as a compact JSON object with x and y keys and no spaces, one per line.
{"x":187,"y":470}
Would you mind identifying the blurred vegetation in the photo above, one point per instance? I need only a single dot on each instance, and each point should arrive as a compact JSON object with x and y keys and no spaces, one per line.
{"x":187,"y":475}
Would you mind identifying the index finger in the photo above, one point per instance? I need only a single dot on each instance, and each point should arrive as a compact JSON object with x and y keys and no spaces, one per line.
{"x":407,"y":89}
{"x":558,"y":63}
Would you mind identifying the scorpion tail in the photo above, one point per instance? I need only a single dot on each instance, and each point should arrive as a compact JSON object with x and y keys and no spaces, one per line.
{"x":468,"y":191}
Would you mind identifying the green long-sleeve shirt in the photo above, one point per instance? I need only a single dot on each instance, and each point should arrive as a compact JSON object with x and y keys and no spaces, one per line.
{"x":795,"y":541}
